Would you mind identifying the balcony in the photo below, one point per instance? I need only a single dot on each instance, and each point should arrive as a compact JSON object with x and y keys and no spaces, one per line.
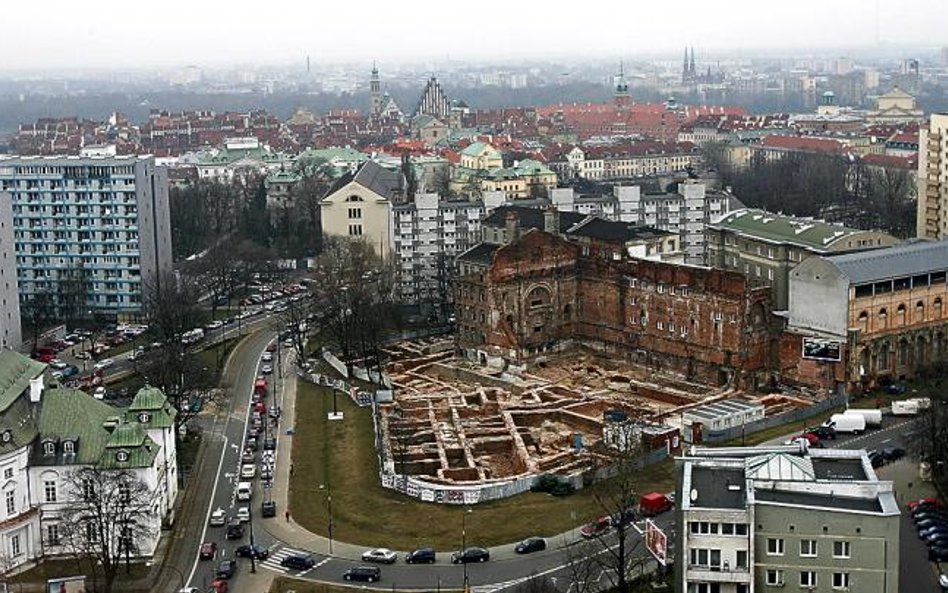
{"x":714,"y":574}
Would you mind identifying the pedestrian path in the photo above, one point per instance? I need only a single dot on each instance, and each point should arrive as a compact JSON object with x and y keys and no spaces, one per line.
{"x":279,"y":552}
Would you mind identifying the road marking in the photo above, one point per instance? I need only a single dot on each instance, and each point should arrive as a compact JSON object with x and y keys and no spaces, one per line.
{"x":321,"y":562}
{"x":210,"y":506}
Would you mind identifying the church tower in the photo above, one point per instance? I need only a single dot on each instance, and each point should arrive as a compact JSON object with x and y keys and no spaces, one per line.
{"x":684,"y":67}
{"x":692,"y":73}
{"x":622,"y":99}
{"x":375,"y":88}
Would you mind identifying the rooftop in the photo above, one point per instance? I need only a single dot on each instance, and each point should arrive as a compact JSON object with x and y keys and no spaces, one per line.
{"x":722,"y":409}
{"x":899,"y":261}
{"x":16,"y":371}
{"x":717,"y":488}
{"x":814,"y":499}
{"x":482,"y":253}
{"x":816,"y":235}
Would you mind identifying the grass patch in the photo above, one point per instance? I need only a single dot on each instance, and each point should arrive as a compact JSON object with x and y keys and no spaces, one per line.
{"x":56,"y":568}
{"x":213,"y":358}
{"x":286,"y":584}
{"x":342,"y":454}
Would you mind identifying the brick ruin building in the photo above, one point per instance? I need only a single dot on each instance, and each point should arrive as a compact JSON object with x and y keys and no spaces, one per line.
{"x":543,"y":293}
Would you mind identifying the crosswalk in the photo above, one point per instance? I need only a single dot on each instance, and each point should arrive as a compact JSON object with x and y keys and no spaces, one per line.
{"x":278,"y":553}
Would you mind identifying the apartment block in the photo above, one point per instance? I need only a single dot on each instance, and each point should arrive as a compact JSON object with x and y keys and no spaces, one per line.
{"x":10,"y":336}
{"x":90,"y":230}
{"x":932,"y":217}
{"x":768,"y":519}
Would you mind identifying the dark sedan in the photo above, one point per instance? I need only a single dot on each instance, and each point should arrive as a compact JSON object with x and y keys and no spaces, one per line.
{"x":369,"y":574}
{"x":226,"y":569}
{"x":254,"y":551}
{"x":469,"y":555}
{"x":530,"y":545}
{"x":938,"y":554}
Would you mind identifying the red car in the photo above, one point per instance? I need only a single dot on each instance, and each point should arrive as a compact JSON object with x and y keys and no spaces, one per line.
{"x":812,"y":438}
{"x":929,"y":501}
{"x":596,"y":528}
{"x":218,"y":586}
{"x":208,"y":550}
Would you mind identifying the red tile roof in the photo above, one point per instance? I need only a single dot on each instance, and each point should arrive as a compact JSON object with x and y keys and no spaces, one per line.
{"x":802,"y":143}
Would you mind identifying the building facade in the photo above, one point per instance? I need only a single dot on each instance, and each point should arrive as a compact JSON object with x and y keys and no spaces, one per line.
{"x":542,"y":293}
{"x":88,"y":231}
{"x":48,"y":432}
{"x":932,"y":217}
{"x":884,"y":308}
{"x":766,"y":246}
{"x":768,"y":519}
{"x":10,"y":326}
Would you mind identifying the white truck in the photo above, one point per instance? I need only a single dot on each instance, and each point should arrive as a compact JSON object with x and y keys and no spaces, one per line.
{"x":854,"y":423}
{"x":873,"y":417}
{"x":906,"y":407}
{"x":193,"y":336}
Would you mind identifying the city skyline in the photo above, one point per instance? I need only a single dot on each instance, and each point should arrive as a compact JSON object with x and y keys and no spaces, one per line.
{"x":183,"y":34}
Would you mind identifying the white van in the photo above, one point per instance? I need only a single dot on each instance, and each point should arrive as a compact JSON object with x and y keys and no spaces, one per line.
{"x":873,"y":417}
{"x":244,"y":491}
{"x":854,"y":423}
{"x":908,"y":407}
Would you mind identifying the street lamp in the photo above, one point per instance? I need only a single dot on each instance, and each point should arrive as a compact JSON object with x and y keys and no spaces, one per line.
{"x":328,"y":489}
{"x":253,"y":550}
{"x":464,"y":515}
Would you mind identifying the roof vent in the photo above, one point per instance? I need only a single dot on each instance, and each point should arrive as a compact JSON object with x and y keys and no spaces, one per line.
{"x":694,"y":494}
{"x":734,"y":487}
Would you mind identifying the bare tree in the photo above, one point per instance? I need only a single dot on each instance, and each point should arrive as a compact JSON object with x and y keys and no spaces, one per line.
{"x":295,"y":321}
{"x":37,"y":311}
{"x":109,"y":515}
{"x":583,"y":566}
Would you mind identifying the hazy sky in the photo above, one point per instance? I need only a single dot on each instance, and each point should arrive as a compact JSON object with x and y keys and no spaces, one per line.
{"x":66,"y":33}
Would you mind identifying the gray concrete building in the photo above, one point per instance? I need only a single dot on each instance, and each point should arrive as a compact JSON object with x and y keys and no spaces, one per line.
{"x":10,"y":336}
{"x":769,"y":519}
{"x":765,"y":246}
{"x":89,"y":231}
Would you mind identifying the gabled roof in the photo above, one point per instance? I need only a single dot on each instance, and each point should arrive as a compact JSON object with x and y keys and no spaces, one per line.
{"x":74,"y":415}
{"x":477,"y":149}
{"x":373,"y":177}
{"x":151,"y":409}
{"x":807,"y":232}
{"x":482,"y":253}
{"x":16,"y":372}
{"x":595,"y":227}
{"x":893,"y":262}
{"x":18,"y":420}
{"x":530,"y":218}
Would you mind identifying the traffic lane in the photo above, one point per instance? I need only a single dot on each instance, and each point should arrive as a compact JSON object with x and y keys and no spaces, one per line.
{"x":916,"y":573}
{"x":228,"y":476}
{"x":891,"y":433}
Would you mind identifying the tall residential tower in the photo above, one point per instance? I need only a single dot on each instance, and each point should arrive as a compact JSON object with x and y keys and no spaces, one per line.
{"x":932,"y":217}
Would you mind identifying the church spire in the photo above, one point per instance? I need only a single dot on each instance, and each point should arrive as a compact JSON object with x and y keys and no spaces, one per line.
{"x":621,"y":87}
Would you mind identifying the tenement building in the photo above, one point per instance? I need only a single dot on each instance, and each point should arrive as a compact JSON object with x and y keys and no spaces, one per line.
{"x":883,"y":310}
{"x":90,"y":231}
{"x":769,"y":519}
{"x":544,"y":292}
{"x":766,"y":246}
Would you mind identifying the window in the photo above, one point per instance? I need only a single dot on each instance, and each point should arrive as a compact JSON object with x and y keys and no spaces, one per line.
{"x":774,"y":546}
{"x":742,"y":559}
{"x":727,"y":529}
{"x":807,"y":578}
{"x":52,"y":534}
{"x":774,"y":577}
{"x":15,"y":549}
{"x":808,"y":548}
{"x":841,"y":549}
{"x":355,"y":230}
{"x":125,"y":493}
{"x":841,"y":580}
{"x":10,"y":499}
{"x":699,"y":557}
{"x":49,"y":448}
{"x":92,"y":534}
{"x":740,"y":528}
{"x":355,"y":212}
{"x":8,"y":473}
{"x":88,"y":489}
{"x":68,"y":447}
{"x":49,"y":490}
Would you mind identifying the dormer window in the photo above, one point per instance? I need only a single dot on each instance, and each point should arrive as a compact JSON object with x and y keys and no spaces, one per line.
{"x":121,"y":456}
{"x":49,"y":448}
{"x":69,"y":447}
{"x":6,"y":437}
{"x":144,"y":417}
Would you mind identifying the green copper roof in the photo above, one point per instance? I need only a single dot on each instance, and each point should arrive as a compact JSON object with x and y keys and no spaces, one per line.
{"x":19,"y":422}
{"x":334,"y":155}
{"x":16,"y":371}
{"x":806,"y":232}
{"x":151,"y":409}
{"x":479,"y":148}
{"x":530,"y":167}
{"x":73,"y":414}
{"x":282,"y":177}
{"x":126,"y":434}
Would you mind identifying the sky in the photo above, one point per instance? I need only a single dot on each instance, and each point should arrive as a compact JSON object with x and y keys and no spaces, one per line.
{"x":125,"y":34}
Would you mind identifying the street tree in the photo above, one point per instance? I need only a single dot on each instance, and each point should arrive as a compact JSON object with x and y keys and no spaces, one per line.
{"x":38,"y":310}
{"x":294,"y":321}
{"x":109,"y":514}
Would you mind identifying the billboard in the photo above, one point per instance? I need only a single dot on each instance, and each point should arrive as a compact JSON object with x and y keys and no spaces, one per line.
{"x":656,"y":542}
{"x":66,"y":585}
{"x":821,"y":349}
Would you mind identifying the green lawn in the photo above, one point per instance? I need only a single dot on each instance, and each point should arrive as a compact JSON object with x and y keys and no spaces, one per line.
{"x":68,"y":567}
{"x":286,"y":585}
{"x":343,"y":453}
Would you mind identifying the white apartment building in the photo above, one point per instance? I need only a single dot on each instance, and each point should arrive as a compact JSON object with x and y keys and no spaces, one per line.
{"x":428,"y":233}
{"x":101,"y":220}
{"x":10,"y":336}
{"x":686,"y":212}
{"x":932,"y":218}
{"x":768,"y":519}
{"x":47,"y":432}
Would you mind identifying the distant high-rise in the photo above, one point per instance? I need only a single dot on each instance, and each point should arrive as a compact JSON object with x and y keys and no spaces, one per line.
{"x":931,"y":219}
{"x":375,"y":88}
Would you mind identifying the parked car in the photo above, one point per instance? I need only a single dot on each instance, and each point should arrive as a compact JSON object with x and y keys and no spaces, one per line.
{"x":927,"y":501}
{"x":266,"y":369}
{"x":266,"y":472}
{"x":226,"y":569}
{"x":369,"y":574}
{"x":530,"y":545}
{"x":243,"y":514}
{"x":876,"y":458}
{"x":420,"y":556}
{"x":254,"y":551}
{"x":218,"y":586}
{"x":248,"y":471}
{"x":208,"y":550}
{"x":298,"y":561}
{"x":248,"y":456}
{"x":893,"y":453}
{"x":218,"y":518}
{"x":895,"y":388}
{"x":268,"y":508}
{"x":105,"y":363}
{"x":269,"y":444}
{"x":266,"y":357}
{"x":596,"y":528}
{"x":468,"y":555}
{"x":655,"y":503}
{"x":929,"y":514}
{"x":380,"y":555}
{"x":938,"y":554}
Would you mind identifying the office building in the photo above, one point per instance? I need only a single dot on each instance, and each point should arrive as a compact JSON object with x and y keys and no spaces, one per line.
{"x":89,"y":231}
{"x":768,"y":519}
{"x":932,"y":217}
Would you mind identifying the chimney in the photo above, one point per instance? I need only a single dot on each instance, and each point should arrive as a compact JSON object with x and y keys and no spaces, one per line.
{"x":551,"y":220}
{"x":36,"y":389}
{"x":512,"y":226}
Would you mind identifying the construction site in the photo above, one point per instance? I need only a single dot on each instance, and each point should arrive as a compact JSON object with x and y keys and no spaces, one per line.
{"x":453,"y":423}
